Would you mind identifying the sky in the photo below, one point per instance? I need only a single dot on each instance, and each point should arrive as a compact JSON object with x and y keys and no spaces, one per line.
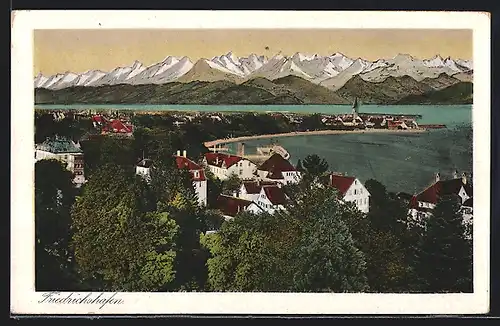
{"x":58,"y":51}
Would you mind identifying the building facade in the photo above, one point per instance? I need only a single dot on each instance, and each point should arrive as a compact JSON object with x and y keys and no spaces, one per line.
{"x":422,"y":204}
{"x":224,"y":165}
{"x":351,"y":190}
{"x":65,"y":151}
{"x":278,"y":169}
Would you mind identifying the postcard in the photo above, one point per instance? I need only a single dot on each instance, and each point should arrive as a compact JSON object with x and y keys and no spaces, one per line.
{"x":250,"y":162}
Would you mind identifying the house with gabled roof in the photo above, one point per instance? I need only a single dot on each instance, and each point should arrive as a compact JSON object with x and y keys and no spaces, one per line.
{"x":66,"y":151}
{"x":278,"y":169}
{"x":231,"y":206}
{"x":423,"y":203}
{"x":351,"y":190}
{"x":270,"y":199}
{"x":223,"y":165}
{"x":143,"y":168}
{"x":250,"y":190}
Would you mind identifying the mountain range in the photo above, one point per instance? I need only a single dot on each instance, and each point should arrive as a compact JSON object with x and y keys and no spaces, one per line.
{"x":281,"y":79}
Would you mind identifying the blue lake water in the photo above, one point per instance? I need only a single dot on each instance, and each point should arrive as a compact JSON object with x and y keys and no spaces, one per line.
{"x":403,"y":162}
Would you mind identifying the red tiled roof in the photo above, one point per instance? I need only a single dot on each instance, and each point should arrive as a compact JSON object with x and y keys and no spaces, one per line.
{"x":275,"y":195}
{"x":231,"y":205}
{"x":443,"y":188}
{"x":118,"y":126}
{"x":98,"y":118}
{"x":254,"y":187}
{"x":342,"y":183}
{"x":227,"y":159}
{"x":185,"y":163}
{"x":276,"y":163}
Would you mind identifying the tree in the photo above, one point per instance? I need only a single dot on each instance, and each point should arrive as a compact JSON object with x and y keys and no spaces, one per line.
{"x":326,"y":258}
{"x":54,"y":195}
{"x":299,"y":249}
{"x":314,"y":166}
{"x":214,"y":188}
{"x":252,"y":253}
{"x":445,"y":253}
{"x":117,"y":241}
{"x":386,"y":242}
{"x":231,"y":184}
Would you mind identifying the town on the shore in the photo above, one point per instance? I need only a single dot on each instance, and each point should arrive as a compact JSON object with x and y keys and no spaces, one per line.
{"x":263,"y":173}
{"x":260,"y":179}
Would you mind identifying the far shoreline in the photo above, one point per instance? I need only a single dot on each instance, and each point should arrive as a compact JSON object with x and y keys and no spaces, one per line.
{"x":212,"y":143}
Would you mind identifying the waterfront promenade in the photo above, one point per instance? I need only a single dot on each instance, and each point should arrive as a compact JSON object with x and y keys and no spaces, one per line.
{"x":308,"y":133}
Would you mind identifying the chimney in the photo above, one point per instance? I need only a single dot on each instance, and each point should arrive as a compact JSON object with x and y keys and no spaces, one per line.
{"x":178,"y":153}
{"x":464,"y":178}
{"x":438,"y":177}
{"x":455,"y":174}
{"x":184,"y":153}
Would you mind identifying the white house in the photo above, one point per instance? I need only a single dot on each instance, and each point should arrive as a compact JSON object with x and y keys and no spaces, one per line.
{"x":223,"y":165}
{"x":250,"y":190}
{"x":278,"y":169}
{"x":197,"y":175}
{"x":422,"y":204}
{"x":66,"y":151}
{"x":143,"y":168}
{"x":270,"y":199}
{"x":351,"y":190}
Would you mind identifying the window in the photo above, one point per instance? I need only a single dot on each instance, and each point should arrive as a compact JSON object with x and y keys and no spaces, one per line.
{"x":355,"y":191}
{"x":241,"y":172}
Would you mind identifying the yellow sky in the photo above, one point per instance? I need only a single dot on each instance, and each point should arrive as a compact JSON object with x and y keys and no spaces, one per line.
{"x":81,"y":50}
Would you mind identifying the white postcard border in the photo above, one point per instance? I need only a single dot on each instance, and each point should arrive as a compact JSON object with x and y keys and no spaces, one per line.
{"x":24,"y":299}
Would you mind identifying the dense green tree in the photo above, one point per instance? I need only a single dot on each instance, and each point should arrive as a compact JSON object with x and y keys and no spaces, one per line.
{"x":252,"y":253}
{"x":299,"y":249}
{"x":445,"y":252}
{"x":231,"y":184}
{"x":314,"y":167}
{"x":117,"y":240}
{"x":326,"y":258}
{"x":214,"y":188}
{"x":54,"y":195}
{"x":386,"y":241}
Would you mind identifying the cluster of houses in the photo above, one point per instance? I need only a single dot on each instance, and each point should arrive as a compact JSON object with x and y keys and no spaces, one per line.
{"x":262,"y":184}
{"x":112,"y":126}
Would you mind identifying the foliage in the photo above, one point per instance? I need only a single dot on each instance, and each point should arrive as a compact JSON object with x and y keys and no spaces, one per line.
{"x":251,"y":253}
{"x":54,"y":195}
{"x":231,"y":184}
{"x":314,"y":167}
{"x":387,"y":241}
{"x":116,"y":239}
{"x":214,"y":188}
{"x":292,"y":250}
{"x":445,"y":253}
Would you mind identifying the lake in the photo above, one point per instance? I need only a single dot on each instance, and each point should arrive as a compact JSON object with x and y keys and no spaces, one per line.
{"x":402,"y":162}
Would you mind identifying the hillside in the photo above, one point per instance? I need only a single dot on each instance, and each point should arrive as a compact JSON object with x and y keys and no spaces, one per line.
{"x":441,"y":82}
{"x":285,"y":90}
{"x":460,"y":93}
{"x":391,"y":90}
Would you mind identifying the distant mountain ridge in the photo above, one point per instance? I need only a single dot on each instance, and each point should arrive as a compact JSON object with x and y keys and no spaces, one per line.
{"x":285,"y":90}
{"x":333,"y":71}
